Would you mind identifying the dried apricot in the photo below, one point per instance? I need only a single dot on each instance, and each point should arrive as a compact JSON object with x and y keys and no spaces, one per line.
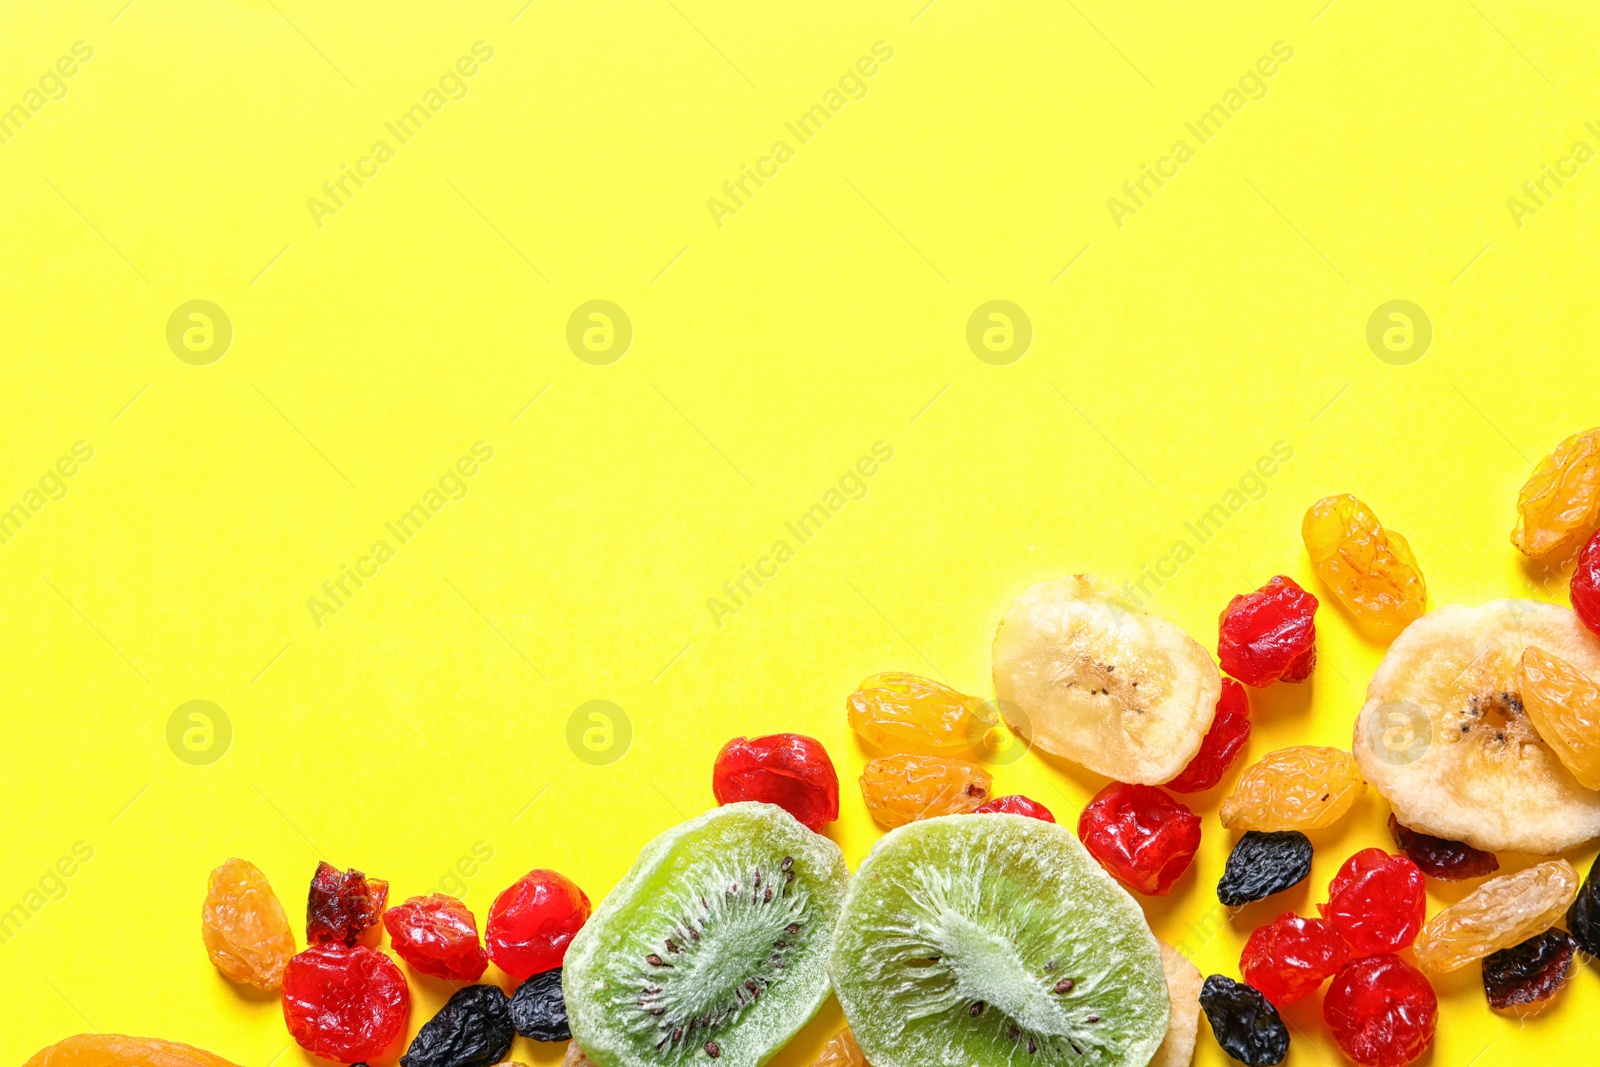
{"x":904,"y":788}
{"x":1305,"y":787}
{"x":1559,"y":505}
{"x":899,"y":712}
{"x":1564,"y":704}
{"x":1369,"y":568}
{"x":100,"y":1050}
{"x":1502,"y":912}
{"x":246,"y":931}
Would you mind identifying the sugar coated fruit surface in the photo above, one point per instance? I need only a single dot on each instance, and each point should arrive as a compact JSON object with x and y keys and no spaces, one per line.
{"x":437,"y":936}
{"x":790,"y":770}
{"x":120,"y":1050}
{"x":1369,"y":568}
{"x":1222,"y":745}
{"x":1142,"y":836}
{"x":1498,"y":914}
{"x":1382,"y":1011}
{"x":1290,"y":957}
{"x":533,"y":921}
{"x":246,"y":930}
{"x":904,"y":788}
{"x":1305,"y":787}
{"x":345,"y":1003}
{"x":343,"y":905}
{"x":899,"y":712}
{"x":1377,"y":902}
{"x":1564,"y":705}
{"x":1269,"y":635}
{"x":1559,"y":505}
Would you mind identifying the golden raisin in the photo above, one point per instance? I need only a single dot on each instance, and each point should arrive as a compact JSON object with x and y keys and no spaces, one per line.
{"x":1503,"y":912}
{"x":1370,"y":569}
{"x":1559,"y":505}
{"x":904,"y":788}
{"x":1305,"y":787}
{"x":246,"y":932}
{"x":841,"y":1051}
{"x":1564,"y":704}
{"x":575,"y":1057}
{"x":899,"y":712}
{"x":99,"y":1050}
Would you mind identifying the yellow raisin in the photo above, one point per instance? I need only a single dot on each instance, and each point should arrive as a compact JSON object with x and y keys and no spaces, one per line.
{"x":246,"y":932}
{"x":899,"y":712}
{"x":1305,"y":787}
{"x":1370,"y":569}
{"x":1560,"y":503}
{"x":1502,"y":912}
{"x":841,"y":1051}
{"x":905,"y":787}
{"x":1564,"y":704}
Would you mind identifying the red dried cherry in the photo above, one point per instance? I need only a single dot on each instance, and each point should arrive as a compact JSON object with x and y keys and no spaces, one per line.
{"x":1016,"y":805}
{"x":1585,"y":585}
{"x":1290,"y":957}
{"x":1222,"y":745}
{"x":533,"y":921}
{"x":1382,"y":1011}
{"x":1376,"y":901}
{"x":437,"y":935}
{"x":343,"y":905}
{"x":790,"y":770}
{"x":1269,"y":635}
{"x":1142,"y":836}
{"x":345,"y":1003}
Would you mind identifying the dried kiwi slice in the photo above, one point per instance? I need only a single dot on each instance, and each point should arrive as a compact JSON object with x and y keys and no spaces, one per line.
{"x":714,"y":946}
{"x":995,"y":940}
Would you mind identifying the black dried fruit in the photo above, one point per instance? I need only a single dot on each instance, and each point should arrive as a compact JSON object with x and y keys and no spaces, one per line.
{"x":1583,"y":917}
{"x":538,"y":1010}
{"x":1441,"y":858}
{"x":1244,"y":1022}
{"x":473,"y":1029}
{"x":1524,"y":977}
{"x":1262,"y":864}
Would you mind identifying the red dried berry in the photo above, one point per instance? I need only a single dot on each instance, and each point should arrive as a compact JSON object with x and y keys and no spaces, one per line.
{"x":1269,"y":635}
{"x":343,"y":905}
{"x":345,"y":1003}
{"x":1142,"y":836}
{"x":1290,"y":957}
{"x":790,"y":770}
{"x":1585,"y":586}
{"x":437,"y":935}
{"x":1441,"y":858}
{"x":533,"y":921}
{"x":1382,"y":1011}
{"x":1377,"y":902}
{"x":1016,"y":805}
{"x":1222,"y":745}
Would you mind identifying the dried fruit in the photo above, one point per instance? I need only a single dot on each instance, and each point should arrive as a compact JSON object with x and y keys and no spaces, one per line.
{"x":1141,"y":835}
{"x":1269,"y":635}
{"x":1223,"y":744}
{"x":119,"y":1050}
{"x":1244,"y":1022}
{"x":344,"y":1003}
{"x":1498,"y":914}
{"x":1559,"y":505}
{"x":904,"y":788}
{"x":1564,"y":705}
{"x":538,"y":1010}
{"x":343,"y":905}
{"x":1377,"y":902}
{"x":437,"y":935}
{"x":1524,"y":978}
{"x":532,"y":922}
{"x":1016,"y":805}
{"x":1448,"y":861}
{"x":841,"y":1051}
{"x":789,"y":770}
{"x":1288,"y":958}
{"x":1444,"y":736}
{"x":575,"y":1057}
{"x":246,"y":932}
{"x":1370,"y":569}
{"x":899,"y":712}
{"x":1083,"y":675}
{"x":1585,"y":585}
{"x":1183,"y":993}
{"x":1305,"y":787}
{"x":473,"y":1029}
{"x":1382,"y":1011}
{"x":1583,"y":917}
{"x":1262,"y":864}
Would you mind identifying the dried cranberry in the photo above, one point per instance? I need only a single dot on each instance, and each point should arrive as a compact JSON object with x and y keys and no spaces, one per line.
{"x":1524,"y":978}
{"x":1222,"y":745}
{"x":1382,"y":1011}
{"x":345,"y":1003}
{"x":1585,"y":586}
{"x":343,"y":905}
{"x":1441,"y":858}
{"x":1016,"y":805}
{"x":790,"y":770}
{"x":1141,"y":835}
{"x":1269,"y":635}
{"x":1290,"y":957}
{"x":1376,"y":901}
{"x":437,"y":935}
{"x":533,"y":921}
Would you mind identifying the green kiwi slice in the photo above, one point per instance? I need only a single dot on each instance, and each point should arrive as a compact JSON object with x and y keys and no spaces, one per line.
{"x":986,"y":940}
{"x":713,"y":947}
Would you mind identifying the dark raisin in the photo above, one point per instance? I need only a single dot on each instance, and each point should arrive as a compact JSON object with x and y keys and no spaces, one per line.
{"x":1262,"y":864}
{"x":473,"y":1029}
{"x":1441,"y":858}
{"x":1244,"y":1022}
{"x":538,"y":1009}
{"x":1583,"y":918}
{"x":1524,"y":977}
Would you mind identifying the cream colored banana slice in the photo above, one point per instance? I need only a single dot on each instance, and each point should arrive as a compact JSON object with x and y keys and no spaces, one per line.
{"x":1183,"y":989}
{"x":1123,"y":692}
{"x":1443,"y":735}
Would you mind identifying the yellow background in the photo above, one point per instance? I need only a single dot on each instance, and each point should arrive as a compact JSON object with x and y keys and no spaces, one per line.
{"x":428,"y":716}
